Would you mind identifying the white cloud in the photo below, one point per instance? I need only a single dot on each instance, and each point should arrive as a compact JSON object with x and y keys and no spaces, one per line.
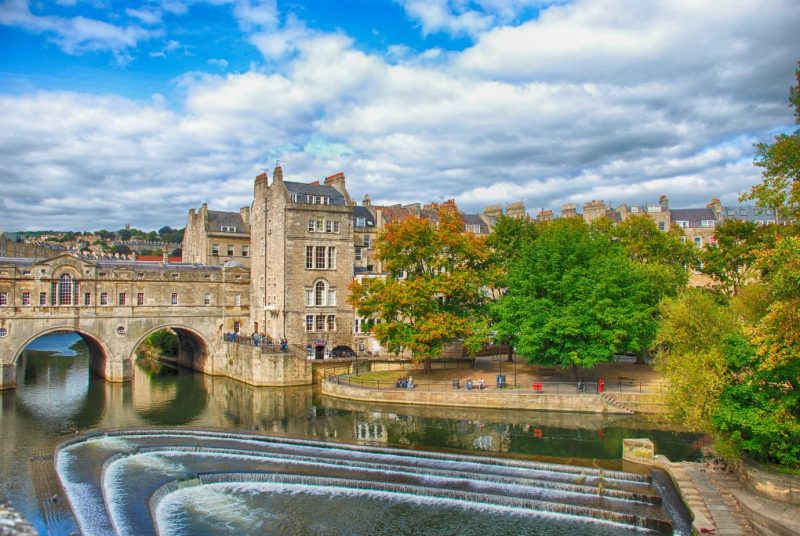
{"x":76,"y":35}
{"x":218,"y":62}
{"x":147,"y":16}
{"x":630,"y":102}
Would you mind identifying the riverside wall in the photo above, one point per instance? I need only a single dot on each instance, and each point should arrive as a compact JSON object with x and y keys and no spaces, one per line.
{"x":491,"y":398}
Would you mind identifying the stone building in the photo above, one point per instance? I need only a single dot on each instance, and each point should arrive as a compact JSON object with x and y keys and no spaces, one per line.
{"x":214,"y":237}
{"x":14,"y":245}
{"x":302,"y":262}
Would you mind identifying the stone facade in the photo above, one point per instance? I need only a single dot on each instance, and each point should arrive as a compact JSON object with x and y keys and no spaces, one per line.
{"x":114,"y":305}
{"x":12,"y":245}
{"x":302,"y":264}
{"x":213,"y":237}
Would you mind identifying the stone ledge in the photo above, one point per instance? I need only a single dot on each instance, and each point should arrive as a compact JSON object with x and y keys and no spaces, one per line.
{"x":497,"y":399}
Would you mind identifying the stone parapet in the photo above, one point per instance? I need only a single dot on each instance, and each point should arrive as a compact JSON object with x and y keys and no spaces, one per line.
{"x":769,"y":483}
{"x":492,"y":398}
{"x":248,"y":364}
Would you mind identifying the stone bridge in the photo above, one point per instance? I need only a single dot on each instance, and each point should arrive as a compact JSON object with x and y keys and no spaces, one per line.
{"x":115,"y":305}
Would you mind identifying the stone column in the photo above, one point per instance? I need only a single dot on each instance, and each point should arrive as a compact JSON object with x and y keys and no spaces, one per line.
{"x":113,"y":371}
{"x":7,"y":376}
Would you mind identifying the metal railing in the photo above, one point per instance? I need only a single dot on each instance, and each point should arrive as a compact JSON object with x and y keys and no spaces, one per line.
{"x":267,"y":345}
{"x":541,"y":387}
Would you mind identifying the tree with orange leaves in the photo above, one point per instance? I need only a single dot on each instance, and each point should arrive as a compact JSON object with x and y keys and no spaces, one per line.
{"x":434,"y":292}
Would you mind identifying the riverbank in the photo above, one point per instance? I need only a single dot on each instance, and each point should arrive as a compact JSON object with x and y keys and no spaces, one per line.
{"x":477,"y":398}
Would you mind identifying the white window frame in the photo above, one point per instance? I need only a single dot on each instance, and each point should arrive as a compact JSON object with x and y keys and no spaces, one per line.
{"x":174,"y":299}
{"x":26,"y":297}
{"x":207,"y":298}
{"x":140,"y":298}
{"x":215,"y":250}
{"x":104,"y":298}
{"x":309,"y":322}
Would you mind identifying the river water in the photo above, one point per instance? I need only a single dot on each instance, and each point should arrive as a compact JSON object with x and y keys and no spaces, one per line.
{"x":57,"y":397}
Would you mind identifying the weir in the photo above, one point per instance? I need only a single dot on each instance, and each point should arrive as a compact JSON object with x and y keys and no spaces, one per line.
{"x":186,"y":481}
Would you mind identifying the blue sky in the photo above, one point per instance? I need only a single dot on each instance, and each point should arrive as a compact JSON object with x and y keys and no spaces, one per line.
{"x":114,"y":113}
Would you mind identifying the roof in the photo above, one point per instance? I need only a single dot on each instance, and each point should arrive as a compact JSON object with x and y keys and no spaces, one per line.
{"x":218,"y":219}
{"x":122,"y":263}
{"x":336,"y":197}
{"x":692,"y":215}
{"x":156,"y":258}
{"x":363,"y":212}
{"x":748,"y":213}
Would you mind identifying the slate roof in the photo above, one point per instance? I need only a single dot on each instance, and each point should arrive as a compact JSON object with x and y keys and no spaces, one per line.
{"x":475,"y":219}
{"x":336,"y":198}
{"x":217,"y":219}
{"x":751,"y":213}
{"x":363,"y":212}
{"x":693,"y":215}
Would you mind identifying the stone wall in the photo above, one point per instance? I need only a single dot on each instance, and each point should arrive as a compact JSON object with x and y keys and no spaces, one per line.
{"x":249,"y":365}
{"x":588,"y":403}
{"x":769,"y":483}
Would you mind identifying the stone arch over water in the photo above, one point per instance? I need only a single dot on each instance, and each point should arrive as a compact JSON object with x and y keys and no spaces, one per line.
{"x":195,"y":351}
{"x":99,"y":353}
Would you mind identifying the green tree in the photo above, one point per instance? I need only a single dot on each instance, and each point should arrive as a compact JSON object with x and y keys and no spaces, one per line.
{"x":666,"y":255}
{"x":434,"y":292}
{"x":730,"y":259}
{"x":759,"y":410}
{"x":124,"y":234}
{"x":690,"y":356}
{"x":575,"y":299}
{"x":780,"y":161}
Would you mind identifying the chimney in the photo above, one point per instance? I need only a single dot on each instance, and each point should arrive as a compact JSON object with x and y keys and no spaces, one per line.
{"x":568,"y":210}
{"x":545,"y":214}
{"x":245,"y":213}
{"x":516,"y":209}
{"x":277,"y":175}
{"x":366,"y":202}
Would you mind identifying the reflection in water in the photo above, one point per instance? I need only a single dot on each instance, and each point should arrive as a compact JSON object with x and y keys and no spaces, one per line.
{"x":57,"y":395}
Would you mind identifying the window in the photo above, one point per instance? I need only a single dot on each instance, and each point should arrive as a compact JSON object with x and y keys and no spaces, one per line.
{"x":121,"y":300}
{"x":730,"y":212}
{"x":698,"y":241}
{"x":87,"y":298}
{"x":331,"y":322}
{"x":742,"y":212}
{"x":365,"y":241}
{"x":65,"y":290}
{"x":320,"y":323}
{"x":230,"y":250}
{"x":174,"y":299}
{"x":104,"y":298}
{"x":207,"y":298}
{"x":237,"y":299}
{"x":215,"y":249}
{"x":662,"y":226}
{"x":175,"y":276}
{"x":309,"y":297}
{"x":331,"y":258}
{"x":682,"y":224}
{"x":309,"y":322}
{"x":359,"y":255}
{"x":140,"y":298}
{"x":309,"y":257}
{"x":320,"y":258}
{"x":26,"y":297}
{"x":356,"y":325}
{"x":331,"y":226}
{"x":237,"y":326}
{"x":43,"y":298}
{"x":474,"y":229}
{"x":140,"y":275}
{"x":319,"y":293}
{"x":311,"y":226}
{"x":3,"y":332}
{"x":331,"y":297}
{"x":361,"y":222}
{"x":3,"y":298}
{"x":227,"y":228}
{"x":245,"y":251}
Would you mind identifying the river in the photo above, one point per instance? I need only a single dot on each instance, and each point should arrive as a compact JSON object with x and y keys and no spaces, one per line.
{"x":57,"y":396}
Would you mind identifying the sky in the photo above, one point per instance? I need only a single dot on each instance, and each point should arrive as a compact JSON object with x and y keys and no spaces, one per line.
{"x":115,"y":113}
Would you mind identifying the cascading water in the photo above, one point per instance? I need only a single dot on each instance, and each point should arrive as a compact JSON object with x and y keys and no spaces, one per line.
{"x":194,"y":482}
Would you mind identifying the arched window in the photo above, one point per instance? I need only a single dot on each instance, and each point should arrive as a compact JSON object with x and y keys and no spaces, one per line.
{"x":319,"y":293}
{"x":65,"y":290}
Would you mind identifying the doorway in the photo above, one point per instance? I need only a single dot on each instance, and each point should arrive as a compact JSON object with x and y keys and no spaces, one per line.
{"x":319,"y":352}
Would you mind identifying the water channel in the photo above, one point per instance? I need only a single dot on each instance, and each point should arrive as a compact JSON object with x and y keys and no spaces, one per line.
{"x":57,"y":397}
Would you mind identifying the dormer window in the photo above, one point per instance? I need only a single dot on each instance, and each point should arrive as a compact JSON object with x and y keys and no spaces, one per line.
{"x":361,"y":222}
{"x":227,"y":228}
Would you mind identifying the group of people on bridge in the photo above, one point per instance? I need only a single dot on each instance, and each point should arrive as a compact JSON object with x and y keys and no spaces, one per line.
{"x":258,"y":340}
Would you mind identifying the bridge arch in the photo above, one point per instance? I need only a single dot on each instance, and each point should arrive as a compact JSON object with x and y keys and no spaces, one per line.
{"x":195,"y":351}
{"x":100,"y":355}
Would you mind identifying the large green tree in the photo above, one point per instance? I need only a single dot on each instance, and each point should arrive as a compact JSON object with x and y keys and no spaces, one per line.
{"x":730,"y":260}
{"x":435,"y":290}
{"x":575,"y":298}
